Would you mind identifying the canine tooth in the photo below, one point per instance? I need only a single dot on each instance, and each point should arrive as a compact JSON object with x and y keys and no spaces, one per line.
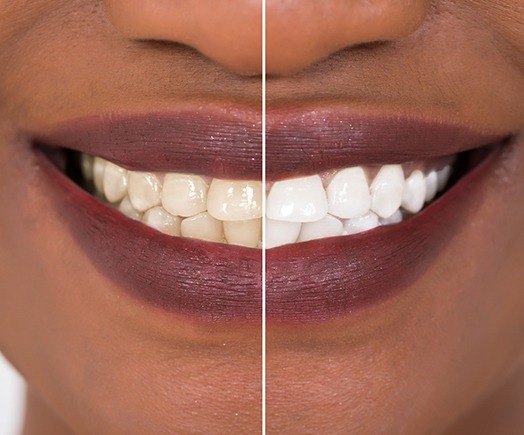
{"x":127,"y":209}
{"x":386,"y":190}
{"x":161,"y":220}
{"x":395,"y":219}
{"x":202,"y":226}
{"x":280,"y":233}
{"x":234,"y":200}
{"x":348,"y":193}
{"x":244,"y":233}
{"x":297,"y":200}
{"x":443,"y":177}
{"x":360,"y":224}
{"x":414,"y":193}
{"x":144,"y":190}
{"x":329,"y":226}
{"x":431,"y":185}
{"x":115,"y":182}
{"x":99,"y":166}
{"x":86,"y":165}
{"x":184,"y":195}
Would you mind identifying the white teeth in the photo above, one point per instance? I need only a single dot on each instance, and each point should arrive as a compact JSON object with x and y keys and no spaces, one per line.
{"x":99,"y":166}
{"x":386,"y":190}
{"x":348,"y":193}
{"x":144,"y":190}
{"x":280,"y":233}
{"x":161,"y":220}
{"x":230,"y":211}
{"x":361,"y":224}
{"x":329,"y":226}
{"x":202,"y":226}
{"x":235,"y":200}
{"x":414,"y":192}
{"x":443,"y":177}
{"x":184,"y":195}
{"x":395,"y":219}
{"x":115,"y":182}
{"x":297,"y":200}
{"x":244,"y":233}
{"x":431,"y":185}
{"x":127,"y":209}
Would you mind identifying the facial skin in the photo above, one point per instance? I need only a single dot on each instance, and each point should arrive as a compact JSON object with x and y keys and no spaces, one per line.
{"x":443,"y":357}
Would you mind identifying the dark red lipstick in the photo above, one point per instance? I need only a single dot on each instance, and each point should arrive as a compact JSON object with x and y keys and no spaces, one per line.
{"x":306,"y":282}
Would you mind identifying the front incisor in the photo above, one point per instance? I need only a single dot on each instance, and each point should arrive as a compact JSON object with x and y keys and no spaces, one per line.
{"x":235,"y":200}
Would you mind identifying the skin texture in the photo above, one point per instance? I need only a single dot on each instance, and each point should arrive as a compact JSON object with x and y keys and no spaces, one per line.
{"x":445,"y":356}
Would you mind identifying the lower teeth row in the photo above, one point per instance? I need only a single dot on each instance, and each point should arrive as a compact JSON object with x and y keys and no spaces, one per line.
{"x":297,"y":210}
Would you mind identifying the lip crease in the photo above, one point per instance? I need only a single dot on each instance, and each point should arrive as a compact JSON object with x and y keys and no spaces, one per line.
{"x":306,"y":282}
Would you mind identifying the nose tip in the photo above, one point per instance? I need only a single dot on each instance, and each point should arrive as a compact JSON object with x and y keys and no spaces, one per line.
{"x":299,"y":32}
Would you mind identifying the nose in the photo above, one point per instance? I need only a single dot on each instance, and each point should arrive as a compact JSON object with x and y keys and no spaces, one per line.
{"x":298,"y":32}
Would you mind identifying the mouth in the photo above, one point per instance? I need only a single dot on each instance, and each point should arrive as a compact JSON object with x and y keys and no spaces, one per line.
{"x":170,"y":206}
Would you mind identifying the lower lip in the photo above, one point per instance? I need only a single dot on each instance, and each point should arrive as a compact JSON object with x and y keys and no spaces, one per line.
{"x":329,"y":278}
{"x":306,"y":282}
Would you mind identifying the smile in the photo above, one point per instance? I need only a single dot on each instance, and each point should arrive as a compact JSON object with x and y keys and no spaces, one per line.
{"x":358,"y":221}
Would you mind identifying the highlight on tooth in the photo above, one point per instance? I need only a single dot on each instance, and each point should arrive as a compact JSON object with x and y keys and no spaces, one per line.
{"x":335,"y":203}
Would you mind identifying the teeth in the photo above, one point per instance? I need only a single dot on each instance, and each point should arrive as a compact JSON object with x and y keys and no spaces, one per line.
{"x":127,"y":209}
{"x":280,"y":233}
{"x":202,"y":226}
{"x":386,"y":190}
{"x":230,"y":211}
{"x":431,"y":185}
{"x":159,"y":219}
{"x":86,"y":165}
{"x":414,"y":192}
{"x":99,"y":166}
{"x":115,"y":182}
{"x":396,"y":218}
{"x":184,"y":195}
{"x":329,"y":226}
{"x":348,"y":193}
{"x":244,"y":233}
{"x":144,"y":190}
{"x":360,"y":224}
{"x":230,"y":200}
{"x":297,"y":200}
{"x":443,"y":177}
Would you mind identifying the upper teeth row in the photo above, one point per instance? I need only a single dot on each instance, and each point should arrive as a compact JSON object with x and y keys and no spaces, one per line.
{"x":297,"y":209}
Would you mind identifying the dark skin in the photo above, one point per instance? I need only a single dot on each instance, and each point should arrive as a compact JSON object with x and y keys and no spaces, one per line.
{"x":445,"y":356}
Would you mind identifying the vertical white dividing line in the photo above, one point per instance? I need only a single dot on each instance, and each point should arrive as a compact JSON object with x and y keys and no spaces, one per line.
{"x":263,"y":217}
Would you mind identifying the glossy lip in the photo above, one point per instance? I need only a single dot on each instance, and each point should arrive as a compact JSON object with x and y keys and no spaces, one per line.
{"x":306,"y":282}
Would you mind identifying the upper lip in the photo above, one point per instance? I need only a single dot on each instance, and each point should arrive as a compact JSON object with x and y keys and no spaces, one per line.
{"x":228,"y":143}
